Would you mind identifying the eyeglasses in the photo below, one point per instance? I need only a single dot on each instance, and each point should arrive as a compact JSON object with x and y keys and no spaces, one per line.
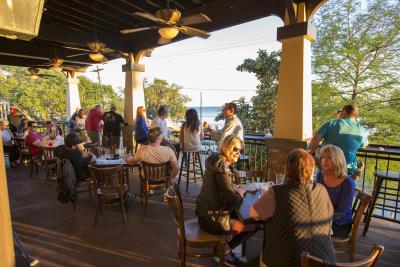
{"x":236,"y":149}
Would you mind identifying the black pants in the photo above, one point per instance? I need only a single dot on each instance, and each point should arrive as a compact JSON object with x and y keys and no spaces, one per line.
{"x":341,"y":230}
{"x":12,"y":151}
{"x":237,"y":239}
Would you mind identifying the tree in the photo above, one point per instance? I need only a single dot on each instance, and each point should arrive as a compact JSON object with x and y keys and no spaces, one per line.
{"x":356,"y":60}
{"x":260,"y":114}
{"x":159,"y":92}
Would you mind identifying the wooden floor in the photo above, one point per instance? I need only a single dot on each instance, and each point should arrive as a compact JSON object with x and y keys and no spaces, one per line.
{"x":57,"y":236}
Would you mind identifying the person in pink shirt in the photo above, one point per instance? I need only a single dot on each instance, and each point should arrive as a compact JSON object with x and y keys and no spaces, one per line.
{"x":94,"y":122}
{"x":33,"y":139}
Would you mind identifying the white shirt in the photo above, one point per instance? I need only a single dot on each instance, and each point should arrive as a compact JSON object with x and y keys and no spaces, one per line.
{"x":47,"y":142}
{"x":162,"y":124}
{"x":6,"y":135}
{"x":232,"y":125}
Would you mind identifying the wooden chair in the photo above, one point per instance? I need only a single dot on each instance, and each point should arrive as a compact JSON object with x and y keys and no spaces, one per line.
{"x":242,"y":177}
{"x":347,"y":245}
{"x":50,"y":161}
{"x":190,"y":234}
{"x":310,"y":261}
{"x":109,"y":189}
{"x":154,"y":176}
{"x":35,"y":162}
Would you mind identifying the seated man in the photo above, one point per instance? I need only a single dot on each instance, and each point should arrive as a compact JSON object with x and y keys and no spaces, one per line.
{"x":34,"y":140}
{"x":8,"y":146}
{"x":155,"y":153}
{"x":75,"y":152}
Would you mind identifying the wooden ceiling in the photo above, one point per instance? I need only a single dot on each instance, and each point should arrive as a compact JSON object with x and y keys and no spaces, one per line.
{"x":73,"y":23}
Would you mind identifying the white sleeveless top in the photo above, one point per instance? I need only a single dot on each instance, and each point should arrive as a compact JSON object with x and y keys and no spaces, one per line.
{"x":191,"y":140}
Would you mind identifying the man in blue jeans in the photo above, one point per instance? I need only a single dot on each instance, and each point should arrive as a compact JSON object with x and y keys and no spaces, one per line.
{"x":345,"y":133}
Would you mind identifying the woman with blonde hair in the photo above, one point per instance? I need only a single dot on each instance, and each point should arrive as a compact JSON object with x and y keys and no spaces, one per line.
{"x":297,"y":214}
{"x":141,"y":125}
{"x":53,"y":139}
{"x":218,"y":200}
{"x":340,"y":187}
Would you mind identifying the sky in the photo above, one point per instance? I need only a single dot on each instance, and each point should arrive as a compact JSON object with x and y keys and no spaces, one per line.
{"x":207,"y":66}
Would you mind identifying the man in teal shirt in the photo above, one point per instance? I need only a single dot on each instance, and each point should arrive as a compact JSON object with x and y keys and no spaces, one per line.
{"x":345,"y":133}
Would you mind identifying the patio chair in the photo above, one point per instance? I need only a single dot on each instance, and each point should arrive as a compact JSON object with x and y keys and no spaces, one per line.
{"x":310,"y":261}
{"x":152,"y":177}
{"x":50,"y":161}
{"x":242,"y":177}
{"x":190,"y":234}
{"x":347,"y":245}
{"x":109,"y":189}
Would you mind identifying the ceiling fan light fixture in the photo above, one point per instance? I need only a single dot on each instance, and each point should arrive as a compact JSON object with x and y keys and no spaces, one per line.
{"x":34,"y":77}
{"x":168,"y":32}
{"x":96,"y":56}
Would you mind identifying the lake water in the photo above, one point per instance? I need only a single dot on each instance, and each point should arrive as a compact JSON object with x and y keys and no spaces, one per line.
{"x":208,"y":114}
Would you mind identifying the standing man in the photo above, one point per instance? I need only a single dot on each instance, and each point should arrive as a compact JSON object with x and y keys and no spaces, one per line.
{"x":8,"y":146}
{"x":112,"y":127}
{"x":345,"y":133}
{"x":232,"y":126}
{"x":94,"y":122}
{"x":33,"y":139}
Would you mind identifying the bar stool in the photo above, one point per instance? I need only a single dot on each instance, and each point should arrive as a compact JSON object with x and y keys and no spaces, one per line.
{"x":380,"y":176}
{"x":187,"y":158}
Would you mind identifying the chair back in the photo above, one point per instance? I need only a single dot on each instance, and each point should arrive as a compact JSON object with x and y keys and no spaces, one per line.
{"x":48,"y":153}
{"x":175,"y":204}
{"x":243,"y":176}
{"x":310,"y":261}
{"x":107,"y":178}
{"x":156,"y":172}
{"x":360,"y":205}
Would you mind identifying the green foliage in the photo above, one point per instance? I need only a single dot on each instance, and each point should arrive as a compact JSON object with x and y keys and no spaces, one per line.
{"x":260,"y":114}
{"x":159,"y":92}
{"x":356,"y":60}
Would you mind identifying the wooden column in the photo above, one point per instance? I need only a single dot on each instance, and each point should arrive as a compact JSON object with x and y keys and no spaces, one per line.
{"x":72,"y":93}
{"x":7,"y":256}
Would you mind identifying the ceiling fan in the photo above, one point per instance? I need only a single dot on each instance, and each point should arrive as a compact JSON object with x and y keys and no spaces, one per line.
{"x":55,"y":64}
{"x":170,"y":24}
{"x":34,"y":74}
{"x":95,"y":51}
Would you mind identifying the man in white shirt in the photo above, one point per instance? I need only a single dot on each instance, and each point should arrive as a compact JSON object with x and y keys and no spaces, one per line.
{"x":232,"y":125}
{"x":8,"y":146}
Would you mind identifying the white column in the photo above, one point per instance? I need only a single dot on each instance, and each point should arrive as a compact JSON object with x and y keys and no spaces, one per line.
{"x":7,"y":258}
{"x":294,"y":101}
{"x":72,"y":94}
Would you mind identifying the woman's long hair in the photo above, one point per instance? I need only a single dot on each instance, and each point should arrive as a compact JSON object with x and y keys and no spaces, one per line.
{"x":53,"y":132}
{"x":192,"y":120}
{"x":140,"y":113}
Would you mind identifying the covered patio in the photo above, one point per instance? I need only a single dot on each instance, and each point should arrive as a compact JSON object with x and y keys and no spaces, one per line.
{"x":55,"y":234}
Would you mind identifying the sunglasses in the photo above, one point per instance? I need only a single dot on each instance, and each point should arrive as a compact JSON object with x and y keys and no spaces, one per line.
{"x":236,"y":149}
{"x":33,"y":126}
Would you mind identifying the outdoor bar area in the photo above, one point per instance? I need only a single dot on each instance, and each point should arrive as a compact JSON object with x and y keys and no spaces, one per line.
{"x":89,"y":191}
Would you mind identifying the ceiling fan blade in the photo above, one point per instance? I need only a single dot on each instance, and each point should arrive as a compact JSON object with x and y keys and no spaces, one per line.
{"x":194,"y":32}
{"x":76,"y":48}
{"x":149,"y":17}
{"x":107,"y":50}
{"x":162,"y":41}
{"x":76,"y":55}
{"x":138,"y":29}
{"x":153,"y":4}
{"x":194,"y":19}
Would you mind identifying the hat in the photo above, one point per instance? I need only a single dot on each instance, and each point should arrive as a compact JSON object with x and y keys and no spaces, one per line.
{"x":72,"y":139}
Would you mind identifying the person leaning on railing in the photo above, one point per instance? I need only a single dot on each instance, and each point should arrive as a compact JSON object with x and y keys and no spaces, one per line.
{"x":297,"y":214}
{"x":344,"y":132}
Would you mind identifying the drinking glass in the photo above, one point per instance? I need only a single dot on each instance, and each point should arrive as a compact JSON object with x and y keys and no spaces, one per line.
{"x":280,"y":178}
{"x":107,"y":153}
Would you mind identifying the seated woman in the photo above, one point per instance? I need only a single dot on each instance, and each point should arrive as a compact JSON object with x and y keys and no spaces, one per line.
{"x":53,"y":139}
{"x":297,"y":215}
{"x":340,"y":186}
{"x":141,"y":126}
{"x":217,"y":200}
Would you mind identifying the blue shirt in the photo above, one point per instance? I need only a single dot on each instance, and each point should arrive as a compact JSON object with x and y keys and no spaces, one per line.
{"x":346,"y":134}
{"x":341,"y":197}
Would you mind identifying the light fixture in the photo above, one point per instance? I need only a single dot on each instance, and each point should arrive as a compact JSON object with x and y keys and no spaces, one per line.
{"x":34,"y":77}
{"x":56,"y":68}
{"x":168,"y":32}
{"x":96,"y":56}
